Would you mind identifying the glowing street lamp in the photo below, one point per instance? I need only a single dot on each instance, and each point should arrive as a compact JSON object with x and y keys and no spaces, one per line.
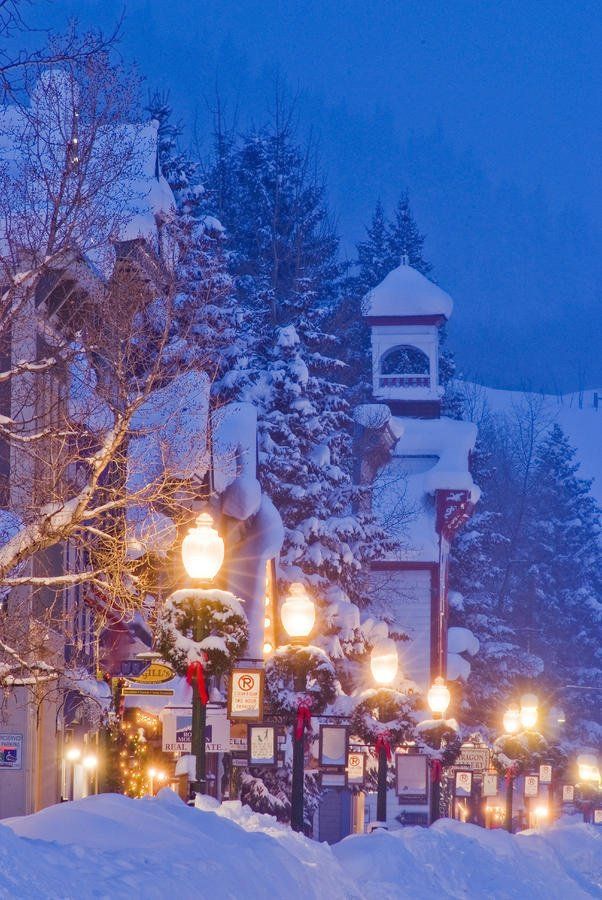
{"x":90,"y":762}
{"x":512,"y":719}
{"x":298,"y":613}
{"x":438,"y":697}
{"x":384,"y":661}
{"x":73,"y":754}
{"x":528,"y":710}
{"x":589,"y":771}
{"x":203,"y":549}
{"x":202,"y":555}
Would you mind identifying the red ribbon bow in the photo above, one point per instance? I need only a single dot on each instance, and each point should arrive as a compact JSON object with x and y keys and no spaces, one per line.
{"x":436,"y":769}
{"x":303,"y":720}
{"x":511,"y":773}
{"x":195,"y":670}
{"x":382,"y":743}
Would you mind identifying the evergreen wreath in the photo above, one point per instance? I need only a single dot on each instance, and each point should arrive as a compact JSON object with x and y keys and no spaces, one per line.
{"x":524,"y":753}
{"x":206,"y":625}
{"x":399,"y":725}
{"x":291,"y":665}
{"x":443,"y":739}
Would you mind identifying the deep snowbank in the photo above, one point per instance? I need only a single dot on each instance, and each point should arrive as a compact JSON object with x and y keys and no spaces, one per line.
{"x":111,"y":846}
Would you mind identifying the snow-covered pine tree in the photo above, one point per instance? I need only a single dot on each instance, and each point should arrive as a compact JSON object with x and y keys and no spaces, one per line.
{"x":561,"y":580}
{"x":478,"y":563}
{"x":283,"y":256}
{"x":207,"y":323}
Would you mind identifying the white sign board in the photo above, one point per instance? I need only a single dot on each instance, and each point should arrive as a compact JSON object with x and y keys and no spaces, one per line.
{"x":531,"y":785}
{"x":245,"y":696}
{"x":545,"y":774}
{"x":177,"y":730}
{"x":489,"y":785}
{"x":356,"y":765}
{"x":11,"y":751}
{"x":463,"y":784}
{"x":473,"y":757}
{"x":568,"y":793}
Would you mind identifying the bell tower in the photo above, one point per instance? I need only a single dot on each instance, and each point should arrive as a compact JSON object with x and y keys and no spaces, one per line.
{"x":405,"y":312}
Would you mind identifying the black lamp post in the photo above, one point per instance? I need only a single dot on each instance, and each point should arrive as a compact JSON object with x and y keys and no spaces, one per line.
{"x":298,"y":614}
{"x":202,"y":555}
{"x":438,"y":699}
{"x":383,"y":662}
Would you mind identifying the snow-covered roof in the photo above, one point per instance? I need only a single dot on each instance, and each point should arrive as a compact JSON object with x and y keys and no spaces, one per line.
{"x":429,"y":455}
{"x":450,"y":440}
{"x":406,"y":292}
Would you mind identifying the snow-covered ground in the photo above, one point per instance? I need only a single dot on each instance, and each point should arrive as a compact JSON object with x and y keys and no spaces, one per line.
{"x":112,"y":846}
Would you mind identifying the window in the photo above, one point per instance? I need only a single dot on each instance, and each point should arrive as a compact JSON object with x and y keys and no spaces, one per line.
{"x":405,"y":361}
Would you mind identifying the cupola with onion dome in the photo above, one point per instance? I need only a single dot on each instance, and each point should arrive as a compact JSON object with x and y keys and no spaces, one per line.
{"x":405,"y":312}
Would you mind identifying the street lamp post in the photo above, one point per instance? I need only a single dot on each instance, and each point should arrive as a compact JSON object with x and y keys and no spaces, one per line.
{"x":589,"y":782}
{"x":511,"y":723}
{"x":298,"y":615}
{"x":202,"y":555}
{"x":438,"y":699}
{"x":383,"y":662}
{"x":72,"y":755}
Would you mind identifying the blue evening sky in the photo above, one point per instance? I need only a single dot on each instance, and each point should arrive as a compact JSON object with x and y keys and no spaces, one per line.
{"x":487,"y":112}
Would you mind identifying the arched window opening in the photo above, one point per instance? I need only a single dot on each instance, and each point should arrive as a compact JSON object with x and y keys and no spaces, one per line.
{"x":405,"y":361}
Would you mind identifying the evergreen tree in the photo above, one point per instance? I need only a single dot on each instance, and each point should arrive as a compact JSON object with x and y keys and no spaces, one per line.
{"x":373,"y":253}
{"x":405,"y":240}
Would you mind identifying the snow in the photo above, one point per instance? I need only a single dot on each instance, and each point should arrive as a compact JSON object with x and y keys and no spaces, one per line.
{"x":575,"y":414}
{"x":115,"y":846}
{"x":429,"y":455}
{"x":406,"y":292}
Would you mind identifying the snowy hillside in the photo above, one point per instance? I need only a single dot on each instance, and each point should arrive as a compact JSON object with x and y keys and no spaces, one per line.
{"x":113,"y":846}
{"x":576,"y":415}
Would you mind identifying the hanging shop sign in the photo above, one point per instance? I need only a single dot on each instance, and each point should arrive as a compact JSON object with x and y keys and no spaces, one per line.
{"x":598,"y":817}
{"x":568,"y":793}
{"x":489,"y":788}
{"x":545,"y":774}
{"x":11,"y":751}
{"x":333,"y":779}
{"x":356,"y":768}
{"x":245,"y":695}
{"x":411,"y":778}
{"x":531,"y":785}
{"x":463,"y":784}
{"x":155,"y":673}
{"x":261,"y":743}
{"x":473,"y":757}
{"x":177,"y":730}
{"x":334,"y":747}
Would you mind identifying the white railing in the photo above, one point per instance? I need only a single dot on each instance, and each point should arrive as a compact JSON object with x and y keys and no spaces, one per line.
{"x":404,"y":381}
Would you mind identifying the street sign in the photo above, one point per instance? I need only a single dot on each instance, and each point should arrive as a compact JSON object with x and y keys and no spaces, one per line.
{"x":489,"y":785}
{"x":568,"y":793}
{"x":411,"y":775}
{"x":356,"y":768}
{"x":545,"y":774}
{"x":472,"y":757}
{"x":11,"y":751}
{"x":598,"y":817}
{"x":262,"y":745}
{"x":245,"y":695}
{"x":531,"y":785}
{"x":463,"y":784}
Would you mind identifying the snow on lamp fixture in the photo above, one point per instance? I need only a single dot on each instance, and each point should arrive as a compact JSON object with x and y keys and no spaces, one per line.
{"x":528,"y":710}
{"x":203,"y":549}
{"x":438,"y":696}
{"x":298,"y":612}
{"x":384,"y":661}
{"x":512,"y":719}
